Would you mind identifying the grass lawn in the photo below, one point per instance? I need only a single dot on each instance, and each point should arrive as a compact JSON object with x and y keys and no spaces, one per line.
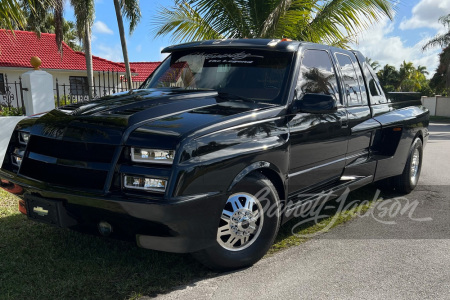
{"x":38,"y":261}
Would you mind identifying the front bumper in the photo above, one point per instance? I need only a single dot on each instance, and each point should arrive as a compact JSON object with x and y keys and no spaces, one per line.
{"x":181,"y":225}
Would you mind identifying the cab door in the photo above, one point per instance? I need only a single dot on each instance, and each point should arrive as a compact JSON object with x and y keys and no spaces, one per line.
{"x":318,"y":142}
{"x":360,"y":121}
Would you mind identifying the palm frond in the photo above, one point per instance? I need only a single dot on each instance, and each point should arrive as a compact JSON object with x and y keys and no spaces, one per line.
{"x":84,"y":11}
{"x":271,"y":21}
{"x":349,"y":16}
{"x":131,"y":11}
{"x":184,"y":23}
{"x":333,"y":22}
{"x":441,"y":40}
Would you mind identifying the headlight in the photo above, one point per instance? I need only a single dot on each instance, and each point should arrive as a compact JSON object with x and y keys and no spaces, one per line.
{"x":145,"y":183}
{"x":152,"y":155}
{"x":24,"y":137}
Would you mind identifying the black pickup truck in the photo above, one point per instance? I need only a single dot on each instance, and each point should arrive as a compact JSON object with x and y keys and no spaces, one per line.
{"x":217,"y":148}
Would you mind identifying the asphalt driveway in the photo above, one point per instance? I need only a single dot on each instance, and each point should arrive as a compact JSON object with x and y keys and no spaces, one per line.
{"x":400,"y":250}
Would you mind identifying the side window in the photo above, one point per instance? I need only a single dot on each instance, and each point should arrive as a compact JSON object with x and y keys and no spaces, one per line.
{"x":350,"y":79}
{"x":317,"y":74}
{"x":2,"y":84}
{"x":362,"y":86}
{"x":78,"y":85}
{"x":372,"y":87}
{"x":376,"y":95}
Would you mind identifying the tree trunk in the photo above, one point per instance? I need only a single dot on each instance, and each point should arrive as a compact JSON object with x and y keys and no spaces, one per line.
{"x":88,"y":56}
{"x":124,"y":43}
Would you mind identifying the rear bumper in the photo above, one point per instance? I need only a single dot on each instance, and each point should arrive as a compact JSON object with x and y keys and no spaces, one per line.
{"x":180,"y":225}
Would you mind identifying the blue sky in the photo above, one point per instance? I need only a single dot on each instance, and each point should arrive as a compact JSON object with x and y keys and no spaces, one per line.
{"x":389,"y":42}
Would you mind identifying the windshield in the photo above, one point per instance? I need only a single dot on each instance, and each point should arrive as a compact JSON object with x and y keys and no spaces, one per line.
{"x":247,"y":74}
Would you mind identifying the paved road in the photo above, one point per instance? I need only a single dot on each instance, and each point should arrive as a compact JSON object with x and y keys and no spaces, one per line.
{"x":364,"y":258}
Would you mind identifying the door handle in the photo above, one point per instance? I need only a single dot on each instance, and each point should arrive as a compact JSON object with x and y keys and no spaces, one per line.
{"x":344,"y":122}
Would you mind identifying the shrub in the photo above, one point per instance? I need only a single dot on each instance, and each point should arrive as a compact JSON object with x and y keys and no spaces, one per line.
{"x":10,"y":111}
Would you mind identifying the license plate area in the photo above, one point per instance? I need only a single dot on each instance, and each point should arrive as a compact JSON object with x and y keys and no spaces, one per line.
{"x":44,"y":210}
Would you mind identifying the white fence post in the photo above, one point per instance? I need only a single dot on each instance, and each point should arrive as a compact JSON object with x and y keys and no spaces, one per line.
{"x":39,"y":96}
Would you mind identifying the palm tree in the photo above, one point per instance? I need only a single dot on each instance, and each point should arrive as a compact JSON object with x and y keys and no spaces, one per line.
{"x":43,"y":21}
{"x":84,"y":11}
{"x":442,"y":40}
{"x":13,"y":15}
{"x":132,"y":12}
{"x":333,"y":22}
{"x":37,"y":9}
{"x":422,"y":70}
{"x":389,"y":78}
{"x":373,"y":64}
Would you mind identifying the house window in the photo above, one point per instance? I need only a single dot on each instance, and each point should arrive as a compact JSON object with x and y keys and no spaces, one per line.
{"x":2,"y":84}
{"x":78,"y":85}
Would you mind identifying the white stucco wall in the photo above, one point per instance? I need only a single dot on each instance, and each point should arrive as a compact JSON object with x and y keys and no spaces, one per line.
{"x":7,"y":125}
{"x":430,"y":103}
{"x":438,"y":105}
{"x":442,"y":106}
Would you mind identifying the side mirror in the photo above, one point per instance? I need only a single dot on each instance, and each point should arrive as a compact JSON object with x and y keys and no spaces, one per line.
{"x":315,"y":104}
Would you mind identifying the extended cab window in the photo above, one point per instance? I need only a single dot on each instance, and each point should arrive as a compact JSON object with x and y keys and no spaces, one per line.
{"x":253,"y":74}
{"x":376,"y":94}
{"x":351,"y":82}
{"x":317,"y":74}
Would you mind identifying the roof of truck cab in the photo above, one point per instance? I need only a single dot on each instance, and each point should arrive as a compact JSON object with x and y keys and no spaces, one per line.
{"x":260,"y":44}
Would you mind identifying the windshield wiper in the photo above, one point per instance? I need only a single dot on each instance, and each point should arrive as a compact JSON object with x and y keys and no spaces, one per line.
{"x":233,"y":97}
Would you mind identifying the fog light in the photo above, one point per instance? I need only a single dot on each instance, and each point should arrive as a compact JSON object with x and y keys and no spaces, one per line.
{"x":16,"y":160}
{"x":105,"y":228}
{"x":144,"y":183}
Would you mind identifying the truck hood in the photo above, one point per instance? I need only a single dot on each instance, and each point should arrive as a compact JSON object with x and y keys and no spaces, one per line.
{"x":163,"y":113}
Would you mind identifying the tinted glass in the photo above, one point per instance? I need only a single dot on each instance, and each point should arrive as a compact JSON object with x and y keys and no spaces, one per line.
{"x":372,"y":87}
{"x":317,"y":74}
{"x":376,"y":94}
{"x":350,"y":79}
{"x":2,"y":84}
{"x":362,"y":86}
{"x":78,"y":85}
{"x":258,"y":75}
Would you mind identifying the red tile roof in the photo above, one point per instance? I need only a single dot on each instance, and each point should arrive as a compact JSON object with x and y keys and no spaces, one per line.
{"x":144,"y":69}
{"x":175,"y":71}
{"x":16,"y":51}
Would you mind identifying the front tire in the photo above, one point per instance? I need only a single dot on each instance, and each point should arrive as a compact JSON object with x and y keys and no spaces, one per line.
{"x":248,"y":225}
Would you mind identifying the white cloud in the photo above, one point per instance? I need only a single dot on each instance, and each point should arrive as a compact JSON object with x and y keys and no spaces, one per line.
{"x":425,"y":14}
{"x":378,"y":44}
{"x":100,"y":27}
{"x":113,"y":53}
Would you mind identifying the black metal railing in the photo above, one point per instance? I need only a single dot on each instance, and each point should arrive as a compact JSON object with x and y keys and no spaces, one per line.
{"x":105,"y":83}
{"x":11,"y":97}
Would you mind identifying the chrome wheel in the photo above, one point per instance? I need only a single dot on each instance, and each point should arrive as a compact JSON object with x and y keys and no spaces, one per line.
{"x":415,"y":165}
{"x":241,"y":222}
